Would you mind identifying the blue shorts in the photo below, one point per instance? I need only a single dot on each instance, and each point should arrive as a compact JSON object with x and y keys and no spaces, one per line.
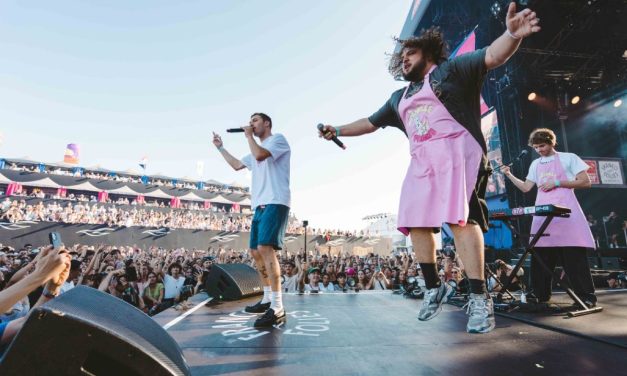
{"x":268,"y":226}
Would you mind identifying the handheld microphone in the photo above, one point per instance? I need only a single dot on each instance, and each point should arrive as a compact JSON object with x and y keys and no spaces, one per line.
{"x":235,"y":130}
{"x":334,"y":138}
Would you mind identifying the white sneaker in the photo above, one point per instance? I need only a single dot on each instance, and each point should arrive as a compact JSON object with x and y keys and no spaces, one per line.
{"x":433,"y":300}
{"x":480,"y":310}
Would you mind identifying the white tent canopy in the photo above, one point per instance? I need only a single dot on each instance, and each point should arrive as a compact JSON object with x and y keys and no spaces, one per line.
{"x":43,"y":183}
{"x":124,"y":190}
{"x":191,"y":197}
{"x":221,"y":200}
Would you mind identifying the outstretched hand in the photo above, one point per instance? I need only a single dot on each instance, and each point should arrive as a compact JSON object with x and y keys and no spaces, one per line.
{"x":217,"y":140}
{"x":523,"y":23}
{"x":52,"y":264}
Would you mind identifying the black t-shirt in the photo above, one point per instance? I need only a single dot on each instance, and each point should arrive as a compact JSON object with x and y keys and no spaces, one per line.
{"x":457,"y":84}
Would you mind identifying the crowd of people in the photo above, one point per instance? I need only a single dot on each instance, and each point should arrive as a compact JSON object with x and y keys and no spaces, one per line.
{"x":123,"y":200}
{"x":153,"y":279}
{"x":87,"y":210}
{"x":79,"y":212}
{"x":124,"y":177}
{"x":344,"y":273}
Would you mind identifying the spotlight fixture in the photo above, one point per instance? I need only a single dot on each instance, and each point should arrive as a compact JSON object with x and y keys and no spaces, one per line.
{"x":495,"y":9}
{"x":532,"y":96}
{"x":618,"y":103}
{"x":575,"y":99}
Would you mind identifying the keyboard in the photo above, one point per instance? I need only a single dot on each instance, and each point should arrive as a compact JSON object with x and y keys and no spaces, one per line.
{"x":540,"y":210}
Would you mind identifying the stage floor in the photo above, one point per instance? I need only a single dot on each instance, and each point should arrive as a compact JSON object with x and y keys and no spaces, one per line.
{"x":378,"y":334}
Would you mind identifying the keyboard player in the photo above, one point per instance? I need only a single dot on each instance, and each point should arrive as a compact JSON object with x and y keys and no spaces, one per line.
{"x":557,"y":175}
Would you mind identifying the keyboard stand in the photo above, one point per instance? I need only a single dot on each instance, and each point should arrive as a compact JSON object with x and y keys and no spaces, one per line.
{"x":585,"y":310}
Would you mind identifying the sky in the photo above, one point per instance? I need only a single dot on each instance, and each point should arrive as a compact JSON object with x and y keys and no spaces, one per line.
{"x":128,"y":79}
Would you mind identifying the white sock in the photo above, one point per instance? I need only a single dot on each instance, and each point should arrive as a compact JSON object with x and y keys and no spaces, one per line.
{"x":266,"y":294}
{"x":277,"y":301}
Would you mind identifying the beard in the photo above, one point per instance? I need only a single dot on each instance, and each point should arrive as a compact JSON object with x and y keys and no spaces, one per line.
{"x":416,"y":74}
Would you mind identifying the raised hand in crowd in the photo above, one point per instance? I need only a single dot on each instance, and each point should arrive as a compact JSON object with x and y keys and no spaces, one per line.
{"x":50,"y":265}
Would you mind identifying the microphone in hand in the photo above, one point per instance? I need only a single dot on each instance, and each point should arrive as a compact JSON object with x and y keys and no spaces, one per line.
{"x":235,"y":130}
{"x":334,"y":138}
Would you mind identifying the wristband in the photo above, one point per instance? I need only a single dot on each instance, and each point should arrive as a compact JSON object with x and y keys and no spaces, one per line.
{"x":337,"y":131}
{"x":511,"y":35}
{"x":220,"y":148}
{"x":557,"y":183}
{"x":48,"y":294}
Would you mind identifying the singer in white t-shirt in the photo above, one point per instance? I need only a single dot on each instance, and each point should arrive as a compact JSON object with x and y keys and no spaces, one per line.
{"x":269,"y":162}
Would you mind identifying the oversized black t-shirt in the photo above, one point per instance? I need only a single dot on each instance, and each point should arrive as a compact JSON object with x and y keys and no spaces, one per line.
{"x":457,"y":84}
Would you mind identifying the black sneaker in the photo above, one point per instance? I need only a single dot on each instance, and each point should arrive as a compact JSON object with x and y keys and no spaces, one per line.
{"x":259,"y":307}
{"x":269,"y":319}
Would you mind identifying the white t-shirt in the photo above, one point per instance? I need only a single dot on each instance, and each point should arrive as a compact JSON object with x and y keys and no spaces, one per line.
{"x":309,"y":287}
{"x":571,"y":163}
{"x":379,"y":284}
{"x":330,"y":287}
{"x":271,"y":177}
{"x":173,"y":286}
{"x":290,"y":284}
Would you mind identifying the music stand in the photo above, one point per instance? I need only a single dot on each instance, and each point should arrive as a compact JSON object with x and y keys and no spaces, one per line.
{"x":561,"y":282}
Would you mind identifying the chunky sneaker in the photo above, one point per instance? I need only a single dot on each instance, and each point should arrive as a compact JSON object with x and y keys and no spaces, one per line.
{"x":259,"y":307}
{"x":480,"y":310}
{"x":433,"y":300}
{"x":270,"y":319}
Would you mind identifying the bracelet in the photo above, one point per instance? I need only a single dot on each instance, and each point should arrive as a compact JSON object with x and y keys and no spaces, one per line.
{"x":511,"y":35}
{"x":337,"y":131}
{"x":557,"y":183}
{"x":49,"y":294}
{"x":220,"y":148}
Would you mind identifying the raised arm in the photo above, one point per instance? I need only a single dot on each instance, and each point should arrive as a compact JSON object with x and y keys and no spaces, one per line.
{"x":524,"y":186}
{"x":356,"y":128}
{"x":519,"y":25}
{"x":258,"y":152}
{"x":230,"y":159}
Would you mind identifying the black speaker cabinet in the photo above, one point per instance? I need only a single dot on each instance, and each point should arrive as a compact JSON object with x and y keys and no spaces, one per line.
{"x":610,"y":263}
{"x":88,"y":332}
{"x":233,"y":282}
{"x":593,"y":263}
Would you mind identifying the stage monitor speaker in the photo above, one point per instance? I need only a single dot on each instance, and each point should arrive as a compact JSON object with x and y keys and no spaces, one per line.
{"x":233,"y":282}
{"x":593,"y":263}
{"x":88,"y":332}
{"x":610,"y":263}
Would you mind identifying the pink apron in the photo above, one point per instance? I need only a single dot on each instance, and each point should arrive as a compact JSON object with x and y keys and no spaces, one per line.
{"x":445,"y":161}
{"x":564,"y":232}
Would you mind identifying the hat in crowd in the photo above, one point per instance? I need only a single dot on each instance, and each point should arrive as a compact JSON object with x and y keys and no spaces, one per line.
{"x":313,"y":270}
{"x":350,"y":271}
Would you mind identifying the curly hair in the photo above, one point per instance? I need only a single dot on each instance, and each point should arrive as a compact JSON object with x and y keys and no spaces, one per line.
{"x":542,"y":136}
{"x":432,"y":44}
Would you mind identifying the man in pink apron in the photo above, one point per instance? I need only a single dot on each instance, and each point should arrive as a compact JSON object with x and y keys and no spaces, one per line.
{"x":446,"y":179}
{"x":557,"y":176}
